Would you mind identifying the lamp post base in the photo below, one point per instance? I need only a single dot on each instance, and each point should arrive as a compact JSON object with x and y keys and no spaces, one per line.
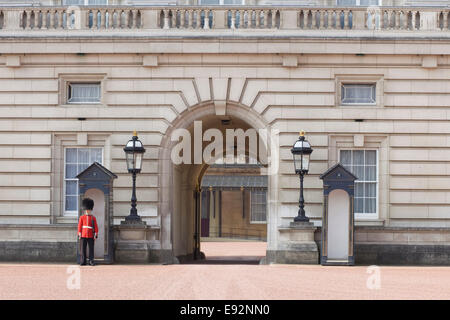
{"x":301,"y":219}
{"x":133,"y":220}
{"x":296,"y":245}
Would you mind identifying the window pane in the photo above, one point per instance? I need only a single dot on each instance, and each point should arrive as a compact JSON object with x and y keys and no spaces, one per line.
{"x":84,"y":92}
{"x":71,"y":203}
{"x":359,"y":205}
{"x":80,"y":159}
{"x":370,"y":190}
{"x":82,"y":166}
{"x":359,"y":190}
{"x":71,"y":155}
{"x":358,"y":157}
{"x":371,"y":157}
{"x":370,"y":206}
{"x":73,"y":2}
{"x":371,"y":173}
{"x":209,"y":2}
{"x":71,"y":188}
{"x":92,"y":2}
{"x":96,"y":155}
{"x":368,"y":2}
{"x":259,"y":206}
{"x":358,"y":93}
{"x":83,"y":155}
{"x":71,"y":171}
{"x":346,"y":158}
{"x":364,"y":166}
{"x":346,"y":2}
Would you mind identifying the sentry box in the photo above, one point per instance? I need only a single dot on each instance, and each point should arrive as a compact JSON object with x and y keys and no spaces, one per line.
{"x":338,"y":217}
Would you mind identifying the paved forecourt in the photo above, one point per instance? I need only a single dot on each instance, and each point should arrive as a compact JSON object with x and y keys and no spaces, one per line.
{"x":203,"y":282}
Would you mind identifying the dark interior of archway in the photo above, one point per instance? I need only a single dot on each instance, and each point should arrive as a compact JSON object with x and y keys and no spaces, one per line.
{"x":228,"y":192}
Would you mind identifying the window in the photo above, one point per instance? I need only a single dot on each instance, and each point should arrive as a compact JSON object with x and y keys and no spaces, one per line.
{"x":359,"y":2}
{"x":363,"y":164}
{"x":258,"y":206}
{"x":83,"y":92}
{"x":84,"y":2}
{"x":358,"y":93}
{"x":75,"y":161}
{"x":222,"y":2}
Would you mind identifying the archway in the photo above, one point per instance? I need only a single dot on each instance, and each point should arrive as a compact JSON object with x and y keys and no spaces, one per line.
{"x":180,"y":182}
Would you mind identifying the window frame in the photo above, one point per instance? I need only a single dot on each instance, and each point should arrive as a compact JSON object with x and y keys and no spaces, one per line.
{"x":68,"y":92}
{"x":65,"y":212}
{"x":343,"y":83}
{"x":66,"y":79}
{"x":366,"y":216}
{"x":378,"y":80}
{"x":251,"y":208}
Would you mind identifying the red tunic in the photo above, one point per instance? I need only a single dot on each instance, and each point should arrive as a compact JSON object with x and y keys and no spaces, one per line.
{"x":85,"y":226}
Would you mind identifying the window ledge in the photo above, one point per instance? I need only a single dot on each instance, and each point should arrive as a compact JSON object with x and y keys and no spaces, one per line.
{"x":369,"y":222}
{"x":67,"y":219}
{"x":71,"y":104}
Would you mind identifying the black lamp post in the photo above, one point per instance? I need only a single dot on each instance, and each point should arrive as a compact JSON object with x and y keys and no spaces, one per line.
{"x":301,"y":152}
{"x":134,"y":151}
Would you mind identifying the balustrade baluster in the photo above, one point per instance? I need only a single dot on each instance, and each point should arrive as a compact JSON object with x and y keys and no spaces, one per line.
{"x":127,"y":19}
{"x":44,"y":20}
{"x":330,"y":19}
{"x":346,"y":19}
{"x":190,"y":17}
{"x":232,"y":19}
{"x":322,"y":15}
{"x":206,"y":25}
{"x":110,"y":19}
{"x":61,"y":19}
{"x":241,"y":19}
{"x":102,"y":16}
{"x":397,"y":20}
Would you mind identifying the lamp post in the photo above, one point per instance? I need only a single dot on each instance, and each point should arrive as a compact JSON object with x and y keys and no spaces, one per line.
{"x":301,"y":152}
{"x":134,"y":151}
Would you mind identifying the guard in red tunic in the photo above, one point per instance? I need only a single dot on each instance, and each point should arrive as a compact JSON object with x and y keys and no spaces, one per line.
{"x":87,"y":231}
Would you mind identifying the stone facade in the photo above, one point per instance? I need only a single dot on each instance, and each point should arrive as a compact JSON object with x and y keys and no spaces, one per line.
{"x":160,"y":69}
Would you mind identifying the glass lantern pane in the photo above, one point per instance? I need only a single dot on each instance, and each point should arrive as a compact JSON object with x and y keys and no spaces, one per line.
{"x":297,"y":162}
{"x":305,"y":163}
{"x":130,"y":161}
{"x":138,"y":161}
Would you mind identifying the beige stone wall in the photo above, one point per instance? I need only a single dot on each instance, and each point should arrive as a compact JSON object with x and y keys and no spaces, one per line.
{"x":291,"y":84}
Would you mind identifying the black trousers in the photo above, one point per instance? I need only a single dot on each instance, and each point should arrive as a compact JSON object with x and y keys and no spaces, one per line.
{"x":90,"y":243}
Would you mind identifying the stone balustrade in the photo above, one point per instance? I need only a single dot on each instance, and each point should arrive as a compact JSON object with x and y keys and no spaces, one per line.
{"x":224,"y":17}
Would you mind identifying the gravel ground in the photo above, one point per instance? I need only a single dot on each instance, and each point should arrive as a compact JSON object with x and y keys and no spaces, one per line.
{"x":221,"y":281}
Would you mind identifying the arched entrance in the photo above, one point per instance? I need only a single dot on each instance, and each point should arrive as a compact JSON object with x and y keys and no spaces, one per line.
{"x":181,"y":182}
